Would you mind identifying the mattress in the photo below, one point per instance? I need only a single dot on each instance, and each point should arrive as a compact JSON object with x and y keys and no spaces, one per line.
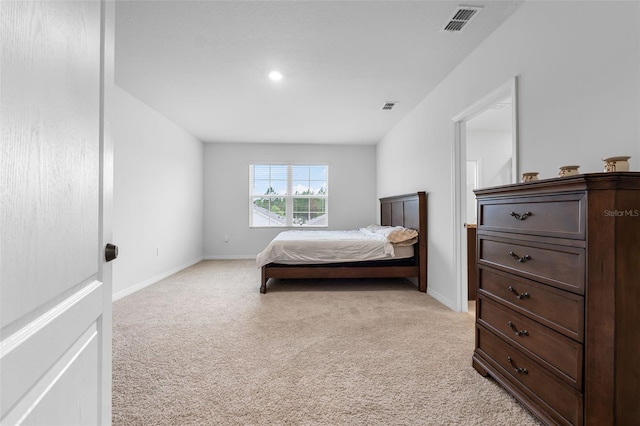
{"x":298,"y":247}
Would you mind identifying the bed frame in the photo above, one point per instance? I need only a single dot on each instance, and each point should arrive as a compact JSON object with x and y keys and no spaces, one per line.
{"x":408,"y":210}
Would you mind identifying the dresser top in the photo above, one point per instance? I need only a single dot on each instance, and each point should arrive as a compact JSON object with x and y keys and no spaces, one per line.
{"x":587,"y":181}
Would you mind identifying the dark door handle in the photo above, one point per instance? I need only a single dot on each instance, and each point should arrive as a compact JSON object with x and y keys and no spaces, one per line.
{"x":110,"y":252}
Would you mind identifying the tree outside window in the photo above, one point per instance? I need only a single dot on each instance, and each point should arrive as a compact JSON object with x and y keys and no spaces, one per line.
{"x":288,"y":195}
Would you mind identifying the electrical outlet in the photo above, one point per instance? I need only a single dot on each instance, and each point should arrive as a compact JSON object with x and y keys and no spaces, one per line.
{"x":226,"y":238}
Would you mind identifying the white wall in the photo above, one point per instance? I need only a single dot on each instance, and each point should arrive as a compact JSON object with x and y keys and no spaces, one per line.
{"x":352,"y":192}
{"x":493,"y":151}
{"x":158,"y":196}
{"x":578,"y":65}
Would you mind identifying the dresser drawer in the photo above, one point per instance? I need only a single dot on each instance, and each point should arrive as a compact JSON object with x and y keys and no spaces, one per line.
{"x":561,"y":216}
{"x":560,"y":266}
{"x":560,"y":310}
{"x":555,"y":351}
{"x":564,"y":401}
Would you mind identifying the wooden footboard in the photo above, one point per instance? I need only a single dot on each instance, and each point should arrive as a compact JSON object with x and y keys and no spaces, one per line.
{"x":409,"y":211}
{"x":336,"y":272}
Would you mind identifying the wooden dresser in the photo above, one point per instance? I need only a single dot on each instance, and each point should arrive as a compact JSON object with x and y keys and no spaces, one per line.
{"x":558,"y":298}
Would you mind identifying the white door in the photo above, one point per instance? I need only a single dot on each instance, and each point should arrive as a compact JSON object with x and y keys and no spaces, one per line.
{"x":472,"y":183}
{"x":56,"y":171}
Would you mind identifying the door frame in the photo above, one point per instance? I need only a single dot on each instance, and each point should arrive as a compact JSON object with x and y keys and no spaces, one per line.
{"x":459,"y":182}
{"x":478,"y":173}
{"x":105,"y":208}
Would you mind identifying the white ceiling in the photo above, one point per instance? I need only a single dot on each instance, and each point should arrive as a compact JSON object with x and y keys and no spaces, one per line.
{"x":204,"y":64}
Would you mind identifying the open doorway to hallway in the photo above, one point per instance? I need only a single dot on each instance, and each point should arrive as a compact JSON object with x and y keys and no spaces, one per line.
{"x":489,"y":156}
{"x":485,"y":154}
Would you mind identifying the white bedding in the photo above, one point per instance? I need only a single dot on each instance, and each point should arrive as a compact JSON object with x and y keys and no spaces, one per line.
{"x":314,"y":247}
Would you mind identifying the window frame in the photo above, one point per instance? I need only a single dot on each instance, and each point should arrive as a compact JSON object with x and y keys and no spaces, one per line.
{"x":289,"y":197}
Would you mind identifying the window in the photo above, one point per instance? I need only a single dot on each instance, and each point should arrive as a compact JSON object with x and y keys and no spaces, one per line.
{"x":288,"y":195}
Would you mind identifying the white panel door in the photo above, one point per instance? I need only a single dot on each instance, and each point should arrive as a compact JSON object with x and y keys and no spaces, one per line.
{"x":56,"y":173}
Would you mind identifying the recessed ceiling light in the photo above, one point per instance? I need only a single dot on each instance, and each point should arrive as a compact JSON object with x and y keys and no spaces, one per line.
{"x":275,"y":75}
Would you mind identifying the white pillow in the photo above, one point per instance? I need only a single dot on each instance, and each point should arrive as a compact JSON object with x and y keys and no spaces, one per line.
{"x":406,"y":243}
{"x":394,"y":234}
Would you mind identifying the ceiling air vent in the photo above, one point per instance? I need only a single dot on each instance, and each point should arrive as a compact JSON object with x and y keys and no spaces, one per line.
{"x":460,"y":18}
{"x":388,"y":106}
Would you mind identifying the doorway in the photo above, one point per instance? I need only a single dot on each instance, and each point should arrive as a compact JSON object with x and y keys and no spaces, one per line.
{"x":485,"y":145}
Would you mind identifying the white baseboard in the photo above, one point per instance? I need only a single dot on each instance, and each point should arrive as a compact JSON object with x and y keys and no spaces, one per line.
{"x":440,"y":298}
{"x":231,"y":257}
{"x":153,"y":280}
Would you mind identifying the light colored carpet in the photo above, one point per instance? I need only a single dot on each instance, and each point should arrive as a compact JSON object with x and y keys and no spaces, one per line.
{"x":204,"y":347}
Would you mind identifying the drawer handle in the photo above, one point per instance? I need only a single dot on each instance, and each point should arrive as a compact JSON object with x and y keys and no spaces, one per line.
{"x":518,"y":295}
{"x":515,"y":368}
{"x":518,"y":258}
{"x":515,"y":330}
{"x":522,"y":216}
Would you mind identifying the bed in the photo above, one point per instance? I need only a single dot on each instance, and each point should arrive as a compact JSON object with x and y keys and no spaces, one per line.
{"x":407,"y":211}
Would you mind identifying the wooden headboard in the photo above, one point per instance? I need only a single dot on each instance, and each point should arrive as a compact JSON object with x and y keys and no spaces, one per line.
{"x":410,"y":211}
